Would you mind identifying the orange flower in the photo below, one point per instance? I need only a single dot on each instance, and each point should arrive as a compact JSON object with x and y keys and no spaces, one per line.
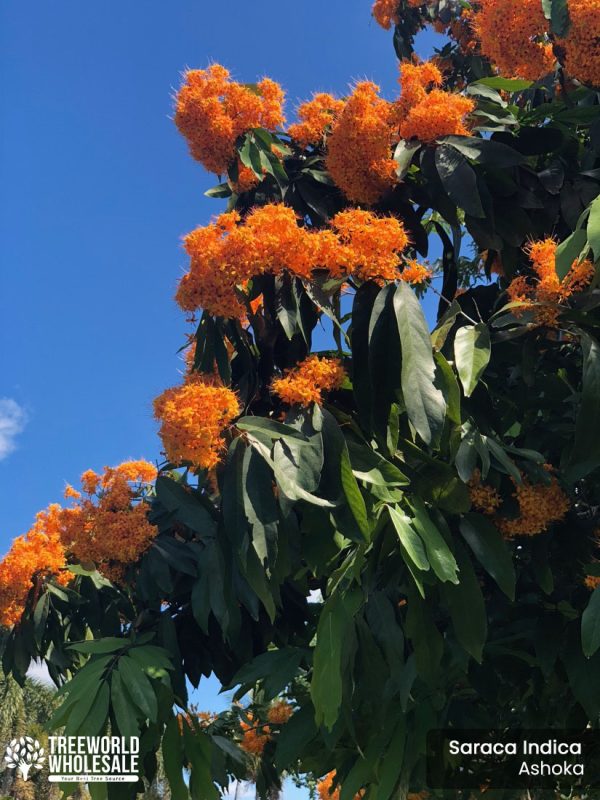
{"x":546,"y":288}
{"x":359,"y":147}
{"x":386,"y":13}
{"x":315,"y":117}
{"x":225,"y":255}
{"x":212,"y":111}
{"x":193,"y":417}
{"x":372,"y":244}
{"x":438,"y":114}
{"x":484,"y":498}
{"x":592,"y":582}
{"x":582,"y":43}
{"x":325,"y":786}
{"x":415,"y":273}
{"x":255,"y":736}
{"x":280,"y":712}
{"x":305,"y":383}
{"x":246,"y":180}
{"x":512,"y":36}
{"x":38,"y":554}
{"x":415,"y":80}
{"x":539,"y":506}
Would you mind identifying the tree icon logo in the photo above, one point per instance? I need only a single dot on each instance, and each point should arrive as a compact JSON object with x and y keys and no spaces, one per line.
{"x":23,"y":754}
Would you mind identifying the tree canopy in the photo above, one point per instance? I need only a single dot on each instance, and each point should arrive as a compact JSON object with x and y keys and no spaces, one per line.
{"x":395,"y":534}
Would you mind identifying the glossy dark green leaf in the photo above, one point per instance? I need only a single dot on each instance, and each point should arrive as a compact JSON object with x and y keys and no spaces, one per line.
{"x":490,"y":549}
{"x":585,"y":455}
{"x":425,"y":403}
{"x":459,"y":180}
{"x":172,"y":751}
{"x":506,"y":84}
{"x":472,"y":352}
{"x":138,"y":687}
{"x":485,"y":151}
{"x":569,"y":251}
{"x":297,"y":733}
{"x":123,"y":707}
{"x":467,"y":607}
{"x":590,"y":625}
{"x":326,"y":686}
{"x":410,"y":540}
{"x":438,"y":552}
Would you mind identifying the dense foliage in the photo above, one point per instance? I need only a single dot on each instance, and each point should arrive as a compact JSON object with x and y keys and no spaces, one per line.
{"x":399,"y":533}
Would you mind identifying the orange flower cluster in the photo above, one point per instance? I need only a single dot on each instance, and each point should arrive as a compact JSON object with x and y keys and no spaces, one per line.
{"x":386,"y":13}
{"x":539,"y":506}
{"x":582,"y":43}
{"x":280,"y":712}
{"x":484,"y":498}
{"x":325,"y":788}
{"x":305,"y":383}
{"x":110,"y":530}
{"x":316,"y":116}
{"x":547,"y":289}
{"x":226,"y":254}
{"x":193,"y":417}
{"x":592,"y":582}
{"x":37,"y":554}
{"x":512,"y":36}
{"x":426,"y":111}
{"x":254,"y":736}
{"x":212,"y":111}
{"x":415,"y":273}
{"x":359,"y":146}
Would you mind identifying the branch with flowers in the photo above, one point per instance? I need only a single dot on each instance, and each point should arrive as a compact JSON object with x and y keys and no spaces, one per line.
{"x":397,"y":532}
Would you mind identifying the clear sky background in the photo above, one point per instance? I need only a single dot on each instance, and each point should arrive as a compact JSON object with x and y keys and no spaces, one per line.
{"x":96,"y":191}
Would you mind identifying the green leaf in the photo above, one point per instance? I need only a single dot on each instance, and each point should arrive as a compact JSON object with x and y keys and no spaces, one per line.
{"x":138,"y":687}
{"x":506,"y":84}
{"x":150,"y":657}
{"x":186,"y":506}
{"x":425,"y":637}
{"x":297,"y":733}
{"x":557,"y":11}
{"x":110,"y":644}
{"x":274,"y":669}
{"x":585,"y":455}
{"x":409,"y":539}
{"x":403,"y":156}
{"x":123,"y":707}
{"x":271,"y":428}
{"x":569,"y":251}
{"x":459,"y":180}
{"x":370,"y":467}
{"x":472,"y":351}
{"x":425,"y":403}
{"x":490,"y":549}
{"x":593,"y":228}
{"x":467,"y":608}
{"x":81,"y":709}
{"x":590,"y":625}
{"x":172,"y":751}
{"x":485,"y":151}
{"x":439,"y":555}
{"x":198,"y":751}
{"x":220,"y":190}
{"x":392,"y":762}
{"x":336,"y":620}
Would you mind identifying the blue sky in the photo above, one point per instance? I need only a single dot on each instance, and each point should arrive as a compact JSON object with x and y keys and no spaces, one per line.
{"x":97,"y":190}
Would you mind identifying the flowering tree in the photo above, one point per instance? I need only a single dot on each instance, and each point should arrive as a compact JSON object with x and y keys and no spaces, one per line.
{"x":398,"y":533}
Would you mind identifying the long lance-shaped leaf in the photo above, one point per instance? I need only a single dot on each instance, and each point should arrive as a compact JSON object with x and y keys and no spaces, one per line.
{"x":425,"y":403}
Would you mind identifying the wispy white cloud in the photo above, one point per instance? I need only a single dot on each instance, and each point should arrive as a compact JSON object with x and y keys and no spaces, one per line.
{"x":38,"y":671}
{"x":13,"y":419}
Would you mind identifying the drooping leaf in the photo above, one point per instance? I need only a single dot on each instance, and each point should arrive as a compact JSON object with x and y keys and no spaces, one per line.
{"x":467,"y":607}
{"x":585,"y":455}
{"x":569,"y":251}
{"x":472,"y":351}
{"x":409,"y":539}
{"x":138,"y":687}
{"x":172,"y":751}
{"x":459,"y":180}
{"x":593,"y":228}
{"x":590,"y":625}
{"x":438,"y":552}
{"x":425,"y":403}
{"x":491,"y":551}
{"x":335,"y":622}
